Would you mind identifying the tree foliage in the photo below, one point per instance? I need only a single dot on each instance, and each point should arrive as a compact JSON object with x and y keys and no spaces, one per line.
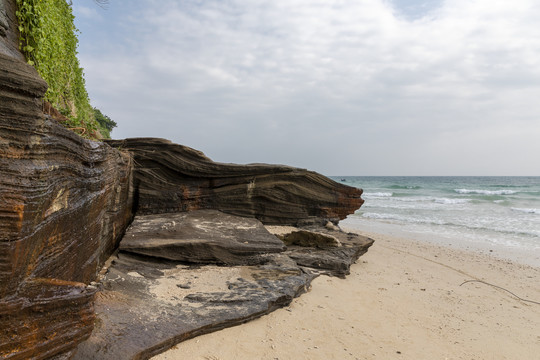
{"x":105,"y":123}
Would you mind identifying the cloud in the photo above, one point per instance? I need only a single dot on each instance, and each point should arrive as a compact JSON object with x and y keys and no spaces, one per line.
{"x":85,"y":12}
{"x":318,"y":83}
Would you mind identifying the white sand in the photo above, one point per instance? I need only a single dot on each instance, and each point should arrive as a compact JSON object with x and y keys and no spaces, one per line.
{"x":403,"y":300}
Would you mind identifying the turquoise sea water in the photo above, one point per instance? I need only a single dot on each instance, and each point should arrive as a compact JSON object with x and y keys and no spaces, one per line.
{"x":497,"y":214}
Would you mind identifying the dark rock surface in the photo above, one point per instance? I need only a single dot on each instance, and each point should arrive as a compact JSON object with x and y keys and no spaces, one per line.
{"x":201,"y":236}
{"x":64,"y":204}
{"x":175,"y":178}
{"x":9,"y":33}
{"x":46,"y":319}
{"x":148,"y":305}
{"x":330,"y":260}
{"x":306,"y":238}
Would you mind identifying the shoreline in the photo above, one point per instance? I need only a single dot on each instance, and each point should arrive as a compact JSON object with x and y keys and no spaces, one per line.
{"x":525,"y":256}
{"x":404,"y":299}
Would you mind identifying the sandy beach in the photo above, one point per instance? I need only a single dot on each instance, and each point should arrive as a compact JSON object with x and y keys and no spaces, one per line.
{"x":403,"y":300}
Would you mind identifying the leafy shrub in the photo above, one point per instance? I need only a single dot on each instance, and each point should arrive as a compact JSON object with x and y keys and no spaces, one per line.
{"x":105,"y":123}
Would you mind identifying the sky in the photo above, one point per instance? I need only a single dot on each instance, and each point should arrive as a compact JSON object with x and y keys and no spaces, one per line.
{"x":341,"y":87}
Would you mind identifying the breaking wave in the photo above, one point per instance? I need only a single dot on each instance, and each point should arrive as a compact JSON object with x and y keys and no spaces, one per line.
{"x":378,"y":194}
{"x":404,"y":187}
{"x":528,"y":211}
{"x":485,"y":192}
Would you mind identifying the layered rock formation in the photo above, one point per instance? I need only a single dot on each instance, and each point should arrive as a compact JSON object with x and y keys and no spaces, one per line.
{"x":329,"y":260}
{"x":173,"y":178}
{"x":65,"y":203}
{"x":9,"y":35}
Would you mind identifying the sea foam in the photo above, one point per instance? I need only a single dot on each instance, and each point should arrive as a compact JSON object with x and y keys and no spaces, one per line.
{"x":485,"y":192}
{"x":501,"y":211}
{"x":529,"y":211}
{"x":447,"y":201}
{"x":378,"y":194}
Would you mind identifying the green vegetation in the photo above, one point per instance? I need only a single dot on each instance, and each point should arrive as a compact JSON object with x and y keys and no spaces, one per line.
{"x":48,"y":40}
{"x":105,"y":123}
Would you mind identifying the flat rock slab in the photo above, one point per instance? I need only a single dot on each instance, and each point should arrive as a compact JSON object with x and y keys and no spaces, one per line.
{"x":147,"y":305}
{"x":202,"y":236}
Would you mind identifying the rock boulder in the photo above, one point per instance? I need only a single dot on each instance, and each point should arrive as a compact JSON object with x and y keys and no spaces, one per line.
{"x":330,"y":260}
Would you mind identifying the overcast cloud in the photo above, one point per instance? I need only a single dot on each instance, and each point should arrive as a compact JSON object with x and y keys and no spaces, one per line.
{"x":357,"y":87}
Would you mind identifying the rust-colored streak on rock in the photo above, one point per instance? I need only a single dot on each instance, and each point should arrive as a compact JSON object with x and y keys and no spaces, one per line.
{"x":175,"y":178}
{"x":47,"y":319}
{"x":64,"y":205}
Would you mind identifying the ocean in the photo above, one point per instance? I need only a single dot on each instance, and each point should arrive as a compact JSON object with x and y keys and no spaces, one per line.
{"x":500,"y":215}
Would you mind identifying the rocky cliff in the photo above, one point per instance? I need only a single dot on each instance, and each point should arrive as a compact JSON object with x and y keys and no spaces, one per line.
{"x":65,"y":204}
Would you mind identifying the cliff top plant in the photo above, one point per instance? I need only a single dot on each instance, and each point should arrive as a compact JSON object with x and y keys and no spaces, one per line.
{"x":48,"y":39}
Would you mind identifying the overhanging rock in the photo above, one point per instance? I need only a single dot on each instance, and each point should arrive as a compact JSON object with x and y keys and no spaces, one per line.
{"x":174,"y":178}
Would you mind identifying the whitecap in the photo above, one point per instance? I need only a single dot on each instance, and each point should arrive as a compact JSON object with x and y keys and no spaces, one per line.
{"x":485,"y":192}
{"x":414,"y":199}
{"x":525,"y":210}
{"x":378,"y":194}
{"x":401,"y":218}
{"x":447,"y":201}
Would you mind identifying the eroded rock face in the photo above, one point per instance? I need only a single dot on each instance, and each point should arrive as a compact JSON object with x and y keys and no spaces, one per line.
{"x":175,"y":178}
{"x":201,"y":236}
{"x":64,"y":205}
